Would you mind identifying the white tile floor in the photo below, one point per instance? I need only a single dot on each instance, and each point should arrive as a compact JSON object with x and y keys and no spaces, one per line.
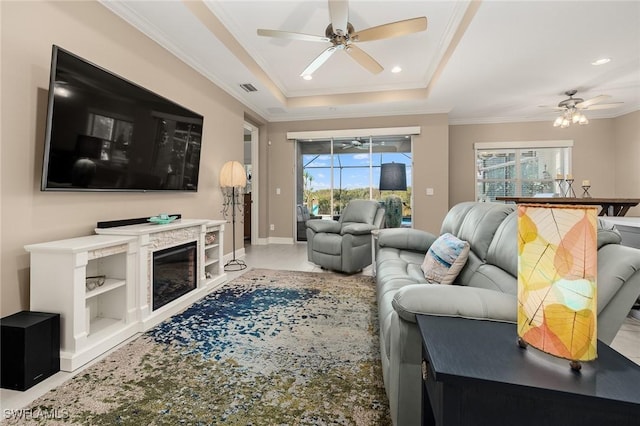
{"x":294,"y":258}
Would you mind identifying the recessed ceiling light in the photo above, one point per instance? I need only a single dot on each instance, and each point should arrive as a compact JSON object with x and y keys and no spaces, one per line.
{"x":307,"y":77}
{"x":396,"y":69}
{"x":601,"y":61}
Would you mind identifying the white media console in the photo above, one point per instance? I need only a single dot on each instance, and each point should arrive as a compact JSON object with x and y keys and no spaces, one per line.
{"x":95,"y":318}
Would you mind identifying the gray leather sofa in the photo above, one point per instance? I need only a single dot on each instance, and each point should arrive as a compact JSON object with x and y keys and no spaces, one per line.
{"x":485,"y":289}
{"x":345,"y":245}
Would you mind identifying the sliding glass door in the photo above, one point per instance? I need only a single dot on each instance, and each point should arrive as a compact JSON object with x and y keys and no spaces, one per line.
{"x":332,"y":172}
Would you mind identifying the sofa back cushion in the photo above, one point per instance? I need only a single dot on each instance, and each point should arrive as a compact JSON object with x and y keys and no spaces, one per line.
{"x":454,"y":218}
{"x":503,"y":250}
{"x":607,"y":234}
{"x":476,"y":223}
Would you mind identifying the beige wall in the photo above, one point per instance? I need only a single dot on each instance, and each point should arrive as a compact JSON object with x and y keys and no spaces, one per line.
{"x":91,"y":31}
{"x":594,"y":152}
{"x":430,"y":153}
{"x":605,"y":152}
{"x":627,"y":158}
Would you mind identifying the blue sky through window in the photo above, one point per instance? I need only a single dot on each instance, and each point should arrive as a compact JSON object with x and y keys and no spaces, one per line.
{"x":350,"y":170}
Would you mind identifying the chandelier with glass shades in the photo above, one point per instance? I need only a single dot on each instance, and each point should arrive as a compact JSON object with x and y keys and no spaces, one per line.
{"x":569,"y":117}
{"x":571,"y":109}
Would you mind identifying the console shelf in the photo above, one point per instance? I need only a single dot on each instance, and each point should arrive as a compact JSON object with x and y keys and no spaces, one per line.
{"x":102,"y":327}
{"x":94,"y":321}
{"x":109,"y":284}
{"x":208,"y":262}
{"x":212,"y":254}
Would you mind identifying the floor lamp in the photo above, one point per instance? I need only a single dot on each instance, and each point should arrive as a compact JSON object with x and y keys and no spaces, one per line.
{"x":232,"y":180}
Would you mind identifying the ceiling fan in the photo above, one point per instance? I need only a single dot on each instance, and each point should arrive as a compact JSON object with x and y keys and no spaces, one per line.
{"x":342,"y":36}
{"x":579,"y":103}
{"x":571,"y":108}
{"x":358,"y":144}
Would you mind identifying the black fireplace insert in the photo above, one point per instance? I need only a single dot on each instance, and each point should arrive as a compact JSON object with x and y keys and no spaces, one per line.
{"x":174,"y":273}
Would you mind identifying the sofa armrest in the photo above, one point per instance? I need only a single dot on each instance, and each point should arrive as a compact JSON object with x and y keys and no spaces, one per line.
{"x":357,"y":229}
{"x":454,"y":301}
{"x":320,"y":225}
{"x":406,"y":239}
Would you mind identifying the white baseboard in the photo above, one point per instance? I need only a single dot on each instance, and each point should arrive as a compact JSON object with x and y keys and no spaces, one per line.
{"x":280,"y":240}
{"x":276,"y":240}
{"x":240,"y":253}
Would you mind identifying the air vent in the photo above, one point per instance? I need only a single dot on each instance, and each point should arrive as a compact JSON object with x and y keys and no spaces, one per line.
{"x":248,"y":87}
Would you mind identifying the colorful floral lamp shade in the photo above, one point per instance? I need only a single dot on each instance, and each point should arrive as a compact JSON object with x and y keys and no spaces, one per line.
{"x":557,"y":270}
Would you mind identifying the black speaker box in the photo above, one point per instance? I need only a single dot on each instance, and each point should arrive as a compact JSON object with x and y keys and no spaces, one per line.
{"x":30,"y":348}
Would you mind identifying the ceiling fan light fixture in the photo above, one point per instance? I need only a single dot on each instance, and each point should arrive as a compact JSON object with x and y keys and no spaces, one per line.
{"x":396,"y":69}
{"x":558,"y":121}
{"x":572,"y":109}
{"x":575,"y":117}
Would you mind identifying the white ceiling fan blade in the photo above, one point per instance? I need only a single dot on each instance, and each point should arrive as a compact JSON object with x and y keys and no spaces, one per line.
{"x":604,"y":106}
{"x":393,"y":29}
{"x":592,"y":101}
{"x":553,"y":107}
{"x":317,"y":62}
{"x":339,"y":13}
{"x":364,"y":59}
{"x":291,"y":36}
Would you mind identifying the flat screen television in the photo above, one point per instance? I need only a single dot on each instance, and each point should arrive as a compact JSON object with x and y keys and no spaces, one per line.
{"x":104,"y":133}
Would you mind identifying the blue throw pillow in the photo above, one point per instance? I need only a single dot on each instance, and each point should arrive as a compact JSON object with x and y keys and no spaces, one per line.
{"x":445,"y":259}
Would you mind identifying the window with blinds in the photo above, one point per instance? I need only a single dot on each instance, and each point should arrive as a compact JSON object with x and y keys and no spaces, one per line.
{"x":523,"y":169}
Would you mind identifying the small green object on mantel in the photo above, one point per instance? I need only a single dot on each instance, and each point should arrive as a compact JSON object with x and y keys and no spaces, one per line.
{"x":162,"y":219}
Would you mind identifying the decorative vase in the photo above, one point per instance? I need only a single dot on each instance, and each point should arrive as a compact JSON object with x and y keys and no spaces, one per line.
{"x":393,"y":211}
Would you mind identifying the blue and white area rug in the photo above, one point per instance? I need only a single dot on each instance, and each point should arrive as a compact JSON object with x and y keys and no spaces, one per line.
{"x":268,"y":348}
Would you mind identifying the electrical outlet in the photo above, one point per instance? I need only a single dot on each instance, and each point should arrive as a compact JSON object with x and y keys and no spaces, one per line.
{"x":429,"y":191}
{"x":272,"y":227}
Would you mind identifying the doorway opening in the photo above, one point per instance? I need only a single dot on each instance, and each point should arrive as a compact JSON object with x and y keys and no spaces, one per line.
{"x":250,"y":205}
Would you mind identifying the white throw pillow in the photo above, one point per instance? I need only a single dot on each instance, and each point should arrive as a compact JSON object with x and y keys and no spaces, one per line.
{"x":445,"y":259}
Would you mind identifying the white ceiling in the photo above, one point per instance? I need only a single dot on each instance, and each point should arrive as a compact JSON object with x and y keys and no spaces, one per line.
{"x":480,"y":62}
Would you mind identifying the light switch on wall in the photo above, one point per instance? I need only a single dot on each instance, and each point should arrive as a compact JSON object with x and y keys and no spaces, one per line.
{"x":277,"y":191}
{"x":429,"y":191}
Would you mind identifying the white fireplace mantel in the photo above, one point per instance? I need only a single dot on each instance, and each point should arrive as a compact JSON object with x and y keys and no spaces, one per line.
{"x":154,"y":237}
{"x":94,"y":318}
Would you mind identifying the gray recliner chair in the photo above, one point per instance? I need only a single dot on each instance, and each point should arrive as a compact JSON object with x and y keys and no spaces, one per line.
{"x":345,"y":245}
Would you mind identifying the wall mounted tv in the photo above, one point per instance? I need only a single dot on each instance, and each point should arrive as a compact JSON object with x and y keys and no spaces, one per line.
{"x":105,"y":133}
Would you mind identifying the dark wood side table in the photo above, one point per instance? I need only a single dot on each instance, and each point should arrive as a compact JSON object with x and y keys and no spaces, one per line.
{"x":619,"y":206}
{"x":474,"y":373}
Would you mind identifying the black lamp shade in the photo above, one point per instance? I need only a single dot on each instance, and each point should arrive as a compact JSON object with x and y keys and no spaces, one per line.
{"x":393,"y":177}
